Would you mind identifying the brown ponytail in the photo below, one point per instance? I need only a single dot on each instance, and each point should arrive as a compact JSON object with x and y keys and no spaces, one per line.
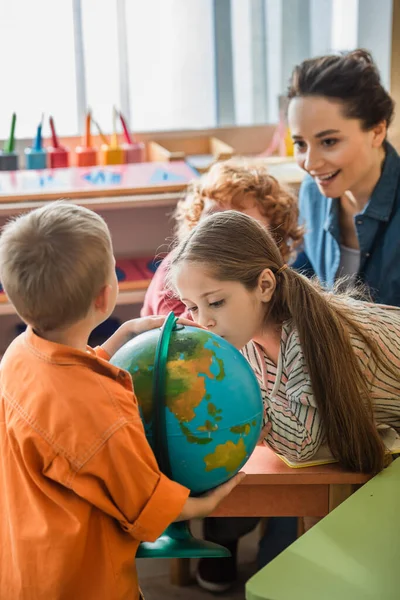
{"x":339,"y":387}
{"x":235,"y":247}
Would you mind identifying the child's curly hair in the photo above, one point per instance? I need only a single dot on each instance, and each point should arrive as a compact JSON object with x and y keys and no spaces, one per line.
{"x":230,"y":185}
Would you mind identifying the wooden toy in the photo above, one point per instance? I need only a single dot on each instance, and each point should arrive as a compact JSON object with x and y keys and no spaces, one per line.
{"x":36,"y":156}
{"x":112,"y":154}
{"x":86,"y":155}
{"x":133,"y":151}
{"x":8,"y":156}
{"x":58,"y":155}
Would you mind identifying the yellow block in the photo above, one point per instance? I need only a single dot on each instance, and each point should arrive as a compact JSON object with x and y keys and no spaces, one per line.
{"x":111,"y":155}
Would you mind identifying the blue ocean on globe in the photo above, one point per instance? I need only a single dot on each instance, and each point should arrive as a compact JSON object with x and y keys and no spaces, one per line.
{"x":213,"y":408}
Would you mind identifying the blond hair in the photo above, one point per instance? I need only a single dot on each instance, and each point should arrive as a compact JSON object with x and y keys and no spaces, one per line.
{"x":235,"y":247}
{"x":53,"y":262}
{"x":231,"y":185}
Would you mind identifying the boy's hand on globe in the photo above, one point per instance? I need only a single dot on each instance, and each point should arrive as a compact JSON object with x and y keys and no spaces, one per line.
{"x":134,"y":327}
{"x":204,"y":505}
{"x":218,"y":494}
{"x":142,"y":324}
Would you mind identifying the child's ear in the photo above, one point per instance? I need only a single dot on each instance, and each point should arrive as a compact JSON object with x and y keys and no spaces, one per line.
{"x":102,"y":299}
{"x":266,"y":285}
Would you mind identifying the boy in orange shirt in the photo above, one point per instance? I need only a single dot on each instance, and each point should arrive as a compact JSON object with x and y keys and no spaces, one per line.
{"x":80,"y":487}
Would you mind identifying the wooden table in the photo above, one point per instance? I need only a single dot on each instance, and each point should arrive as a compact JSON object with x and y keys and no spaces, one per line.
{"x":272,"y":489}
{"x":353,"y":554}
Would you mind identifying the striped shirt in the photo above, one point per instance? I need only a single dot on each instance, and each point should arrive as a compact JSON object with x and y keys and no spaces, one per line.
{"x":289,"y":403}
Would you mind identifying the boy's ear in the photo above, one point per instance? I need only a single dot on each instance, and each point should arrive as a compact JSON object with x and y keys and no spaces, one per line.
{"x":266,"y":285}
{"x":102,"y":299}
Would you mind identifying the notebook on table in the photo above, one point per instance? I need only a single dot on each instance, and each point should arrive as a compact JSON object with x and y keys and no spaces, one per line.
{"x":390,"y":437}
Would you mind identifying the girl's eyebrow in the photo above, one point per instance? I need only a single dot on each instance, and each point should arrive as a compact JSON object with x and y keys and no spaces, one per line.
{"x":209,"y":293}
{"x":203,"y":295}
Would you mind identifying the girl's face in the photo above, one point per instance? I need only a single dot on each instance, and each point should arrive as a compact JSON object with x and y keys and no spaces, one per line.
{"x":226,"y":308}
{"x":333,"y":149}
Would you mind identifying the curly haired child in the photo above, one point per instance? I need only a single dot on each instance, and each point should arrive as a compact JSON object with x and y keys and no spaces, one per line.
{"x":238,"y":184}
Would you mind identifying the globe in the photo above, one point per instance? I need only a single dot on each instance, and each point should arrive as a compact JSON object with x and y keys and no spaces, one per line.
{"x":212,"y":408}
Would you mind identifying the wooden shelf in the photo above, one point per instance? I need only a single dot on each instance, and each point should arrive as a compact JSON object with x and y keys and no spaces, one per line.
{"x":94,"y":182}
{"x":124,"y":297}
{"x":200,"y":152}
{"x":131,"y":297}
{"x":99,"y":203}
{"x":245,"y":139}
{"x":284,"y":169}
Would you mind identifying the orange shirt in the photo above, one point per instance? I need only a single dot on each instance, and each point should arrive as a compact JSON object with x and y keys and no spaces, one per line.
{"x":80,"y":487}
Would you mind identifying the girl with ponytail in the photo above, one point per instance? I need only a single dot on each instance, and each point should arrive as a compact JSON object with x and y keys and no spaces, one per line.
{"x":328,"y":364}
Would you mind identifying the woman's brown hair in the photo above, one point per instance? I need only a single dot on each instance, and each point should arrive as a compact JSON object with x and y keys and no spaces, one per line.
{"x":235,"y":247}
{"x":352,"y":78}
{"x":236,"y":184}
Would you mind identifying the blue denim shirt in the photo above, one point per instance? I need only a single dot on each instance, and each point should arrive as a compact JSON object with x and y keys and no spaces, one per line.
{"x":378,"y":232}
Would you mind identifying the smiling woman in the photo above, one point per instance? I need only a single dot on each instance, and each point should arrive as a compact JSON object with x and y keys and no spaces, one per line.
{"x":339,"y":114}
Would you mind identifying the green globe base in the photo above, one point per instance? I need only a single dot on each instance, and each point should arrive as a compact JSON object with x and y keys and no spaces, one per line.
{"x":178,"y":542}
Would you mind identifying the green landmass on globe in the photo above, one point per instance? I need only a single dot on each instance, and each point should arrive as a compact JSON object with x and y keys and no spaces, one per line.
{"x":185,"y":389}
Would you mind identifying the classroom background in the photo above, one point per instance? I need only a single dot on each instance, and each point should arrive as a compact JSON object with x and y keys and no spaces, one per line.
{"x":118,"y":104}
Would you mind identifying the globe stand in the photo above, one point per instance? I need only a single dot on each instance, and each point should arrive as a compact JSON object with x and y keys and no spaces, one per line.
{"x":177,"y":540}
